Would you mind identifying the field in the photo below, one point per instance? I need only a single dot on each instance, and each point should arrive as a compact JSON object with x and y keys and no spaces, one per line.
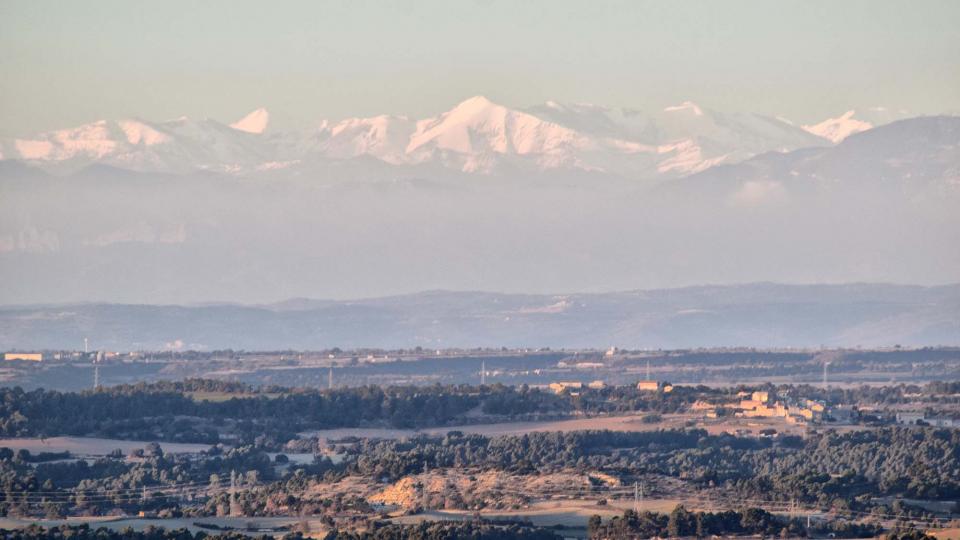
{"x":227,"y":396}
{"x":629,"y":423}
{"x":259,"y":525}
{"x":92,"y":446}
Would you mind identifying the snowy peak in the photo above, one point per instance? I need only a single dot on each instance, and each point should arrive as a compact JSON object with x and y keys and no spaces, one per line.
{"x":141,"y":133}
{"x":474,"y":105}
{"x":94,"y":140}
{"x":838,"y":129}
{"x":179,"y":145}
{"x":479,"y":135}
{"x":255,"y":122}
{"x":478,"y":125}
{"x":686,"y":106}
{"x":856,"y":121}
{"x":384,"y":137}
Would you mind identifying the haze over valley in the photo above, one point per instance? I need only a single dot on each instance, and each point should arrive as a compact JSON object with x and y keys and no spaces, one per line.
{"x":553,"y":199}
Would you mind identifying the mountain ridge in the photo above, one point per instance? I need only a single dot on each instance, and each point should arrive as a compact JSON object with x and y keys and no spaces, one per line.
{"x":475,"y":136}
{"x":754,"y":314}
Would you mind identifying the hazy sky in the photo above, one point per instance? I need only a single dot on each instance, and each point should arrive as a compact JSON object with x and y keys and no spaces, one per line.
{"x":64,"y":63}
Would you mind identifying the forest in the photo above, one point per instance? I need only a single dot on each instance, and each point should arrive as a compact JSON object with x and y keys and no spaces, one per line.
{"x":830,"y":470}
{"x":684,"y":523}
{"x":179,"y":412}
{"x":873,"y":471}
{"x":168,"y":412}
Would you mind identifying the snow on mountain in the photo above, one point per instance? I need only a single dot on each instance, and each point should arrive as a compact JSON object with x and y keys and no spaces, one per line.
{"x":478,"y":134}
{"x":686,"y":106}
{"x":734,"y":135}
{"x":179,"y":145}
{"x":838,"y":129}
{"x":855,"y":121}
{"x":140,"y":133}
{"x":384,"y":137}
{"x":907,"y":157}
{"x":689,"y":138}
{"x":629,"y":124}
{"x":94,"y":141}
{"x":475,"y":136}
{"x":255,"y":122}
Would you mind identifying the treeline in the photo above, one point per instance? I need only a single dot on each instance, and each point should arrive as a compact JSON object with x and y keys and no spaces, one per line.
{"x":377,"y":531}
{"x":933,"y":392}
{"x":166,"y":411}
{"x":156,"y":412}
{"x":194,"y":385}
{"x":683,"y":523}
{"x":626,"y":452}
{"x":432,"y":530}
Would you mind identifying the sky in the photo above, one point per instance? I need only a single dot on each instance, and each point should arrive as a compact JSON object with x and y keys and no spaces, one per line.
{"x":67,"y":63}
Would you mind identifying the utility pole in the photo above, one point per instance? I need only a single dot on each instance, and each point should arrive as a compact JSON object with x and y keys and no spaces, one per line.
{"x":483,"y":373}
{"x":96,"y":376}
{"x":86,"y":346}
{"x":825,"y":364}
{"x":648,"y":370}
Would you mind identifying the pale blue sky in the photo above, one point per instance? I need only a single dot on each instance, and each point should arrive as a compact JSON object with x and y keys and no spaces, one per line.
{"x":65,"y":63}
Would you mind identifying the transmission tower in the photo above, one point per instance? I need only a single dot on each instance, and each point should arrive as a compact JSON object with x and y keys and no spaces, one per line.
{"x":234,"y":505}
{"x":637,"y":497}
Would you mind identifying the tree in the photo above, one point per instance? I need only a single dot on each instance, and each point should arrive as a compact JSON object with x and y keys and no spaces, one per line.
{"x":681,"y":522}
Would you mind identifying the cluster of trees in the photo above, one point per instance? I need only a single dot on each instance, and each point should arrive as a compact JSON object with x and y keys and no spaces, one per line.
{"x":683,"y":523}
{"x":528,"y":453}
{"x":687,"y":453}
{"x":910,"y":462}
{"x":933,"y":392}
{"x":433,"y":530}
{"x":82,"y":487}
{"x":916,"y":463}
{"x":84,"y":532}
{"x":196,"y":385}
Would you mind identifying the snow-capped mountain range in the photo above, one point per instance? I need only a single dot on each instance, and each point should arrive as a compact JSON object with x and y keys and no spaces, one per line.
{"x":879,"y":206}
{"x":475,"y":136}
